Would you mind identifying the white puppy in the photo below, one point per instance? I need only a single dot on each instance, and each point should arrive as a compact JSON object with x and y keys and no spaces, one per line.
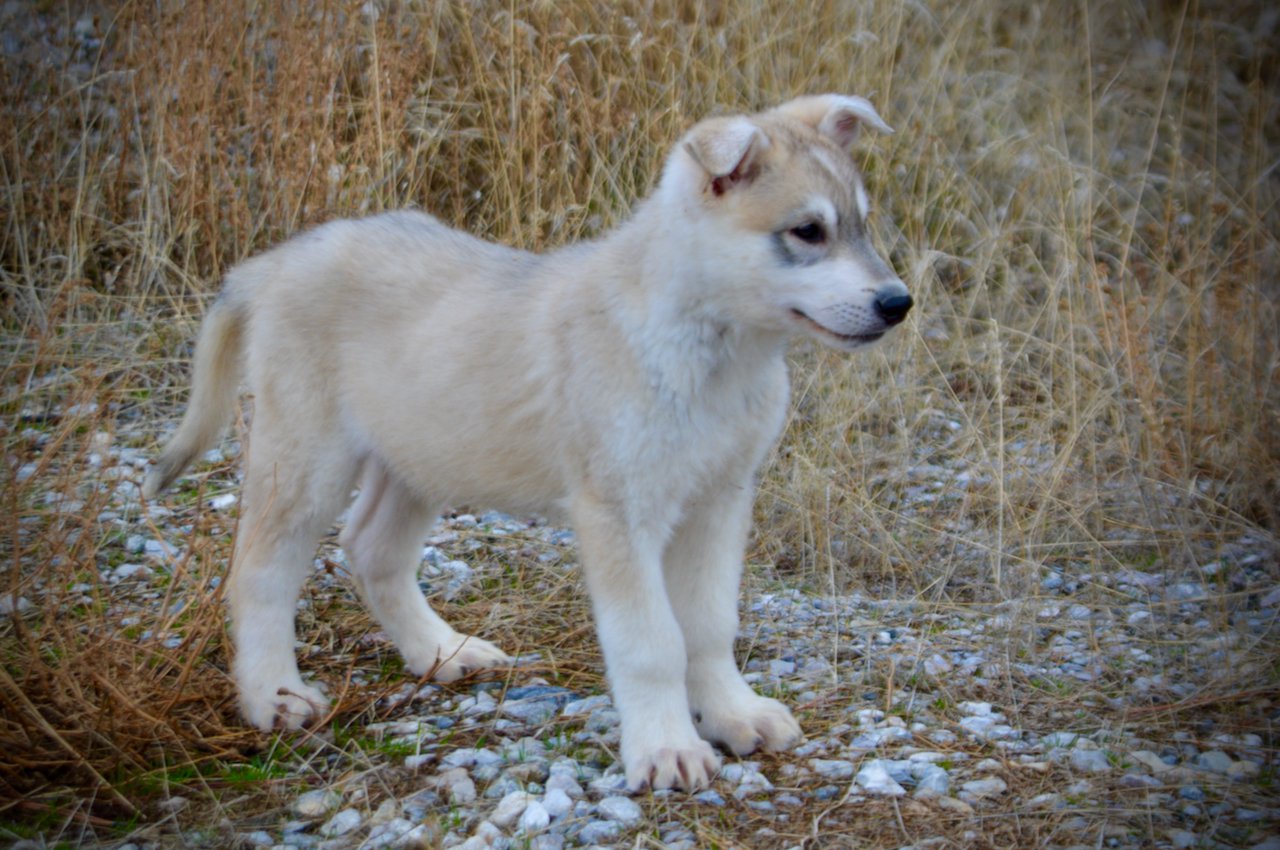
{"x":632,"y":384}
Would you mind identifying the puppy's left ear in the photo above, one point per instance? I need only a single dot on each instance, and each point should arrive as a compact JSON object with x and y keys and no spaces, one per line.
{"x":838,"y":116}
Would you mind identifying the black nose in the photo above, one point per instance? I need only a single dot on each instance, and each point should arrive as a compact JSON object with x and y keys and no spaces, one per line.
{"x":894,"y":308}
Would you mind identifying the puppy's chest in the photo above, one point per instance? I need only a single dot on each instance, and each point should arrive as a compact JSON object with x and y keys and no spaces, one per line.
{"x":723,"y":425}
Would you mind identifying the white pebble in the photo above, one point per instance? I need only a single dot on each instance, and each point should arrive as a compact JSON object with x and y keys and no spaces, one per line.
{"x":991,"y":786}
{"x":936,"y":665}
{"x":222,"y":501}
{"x":874,"y":778}
{"x":343,"y":822}
{"x":832,"y":768}
{"x":1215,"y":761}
{"x":565,"y":784}
{"x":314,"y":804}
{"x":557,"y":802}
{"x":932,"y":781}
{"x":622,"y":809}
{"x":535,"y":817}
{"x":1090,"y":761}
{"x":510,"y":807}
{"x":9,"y":604}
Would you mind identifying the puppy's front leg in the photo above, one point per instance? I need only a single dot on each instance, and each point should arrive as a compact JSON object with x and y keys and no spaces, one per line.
{"x":643,"y":650}
{"x":704,"y":570}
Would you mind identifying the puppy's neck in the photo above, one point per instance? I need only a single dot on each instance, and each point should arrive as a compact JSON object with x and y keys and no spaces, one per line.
{"x":672,"y":315}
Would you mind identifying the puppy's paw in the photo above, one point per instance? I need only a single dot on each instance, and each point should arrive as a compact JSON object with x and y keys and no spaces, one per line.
{"x":458,"y":656}
{"x":291,"y":705}
{"x":748,"y":724}
{"x":688,"y":768}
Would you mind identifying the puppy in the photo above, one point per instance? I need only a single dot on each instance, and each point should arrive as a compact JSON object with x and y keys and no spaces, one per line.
{"x":631,"y":385}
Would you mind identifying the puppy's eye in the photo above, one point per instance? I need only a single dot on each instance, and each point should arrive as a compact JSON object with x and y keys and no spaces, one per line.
{"x":811,"y":232}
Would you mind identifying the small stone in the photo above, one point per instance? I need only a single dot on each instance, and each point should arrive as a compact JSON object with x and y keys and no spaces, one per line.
{"x":526,"y":772}
{"x":386,"y":834}
{"x":978,"y":724}
{"x":832,"y":768}
{"x":1138,"y":617}
{"x":387,"y":811}
{"x":510,"y":808}
{"x":780,"y":668}
{"x":531,"y":711}
{"x":869,"y":717}
{"x":469,"y":757}
{"x":1215,"y":761}
{"x":608,"y":784}
{"x":622,"y":809}
{"x":603,"y":720}
{"x":942,"y":736}
{"x":1244,"y":770}
{"x":343,"y":822}
{"x":599,"y":832}
{"x":557,"y":803}
{"x":565,"y":784}
{"x":710,"y":797}
{"x":172,"y":804}
{"x":936,"y":665}
{"x":125,"y":571}
{"x":933,"y":781}
{"x":586,"y":705}
{"x":1090,"y":761}
{"x":485,"y":836}
{"x":158,"y":549}
{"x":1150,"y":760}
{"x":952,"y":804}
{"x":458,"y":786}
{"x":985,"y":788}
{"x":1182,"y":839}
{"x":222,"y":501}
{"x":1057,"y":740}
{"x":315,"y":804}
{"x":547,"y":841}
{"x":874,"y":778}
{"x":9,"y":604}
{"x":535,"y":818}
{"x":1048,"y":800}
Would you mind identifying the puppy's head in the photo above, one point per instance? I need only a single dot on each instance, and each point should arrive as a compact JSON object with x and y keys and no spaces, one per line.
{"x":779,"y":214}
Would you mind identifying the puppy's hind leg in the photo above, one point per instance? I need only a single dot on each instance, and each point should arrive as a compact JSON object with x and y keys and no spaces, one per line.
{"x":383,"y":540}
{"x":294,"y":487}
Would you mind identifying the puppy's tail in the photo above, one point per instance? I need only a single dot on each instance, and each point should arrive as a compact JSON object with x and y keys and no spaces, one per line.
{"x":215,"y":382}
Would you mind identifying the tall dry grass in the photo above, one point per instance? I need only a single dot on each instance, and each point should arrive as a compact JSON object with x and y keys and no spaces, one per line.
{"x":1082,"y":198}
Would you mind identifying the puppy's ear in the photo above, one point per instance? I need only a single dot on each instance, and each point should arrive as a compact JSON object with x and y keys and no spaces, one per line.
{"x":728,"y":150}
{"x":838,"y":116}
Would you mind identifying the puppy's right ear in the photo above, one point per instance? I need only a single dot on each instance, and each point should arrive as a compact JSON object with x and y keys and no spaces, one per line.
{"x":728,"y":150}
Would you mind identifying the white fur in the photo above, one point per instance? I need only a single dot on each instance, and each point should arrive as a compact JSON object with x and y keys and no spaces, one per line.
{"x":632,"y":384}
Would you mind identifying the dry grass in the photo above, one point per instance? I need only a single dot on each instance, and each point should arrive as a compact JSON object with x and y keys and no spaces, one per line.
{"x":1083,"y":200}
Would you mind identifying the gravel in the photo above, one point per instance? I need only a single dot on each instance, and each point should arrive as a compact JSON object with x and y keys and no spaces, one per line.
{"x":544,"y":774}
